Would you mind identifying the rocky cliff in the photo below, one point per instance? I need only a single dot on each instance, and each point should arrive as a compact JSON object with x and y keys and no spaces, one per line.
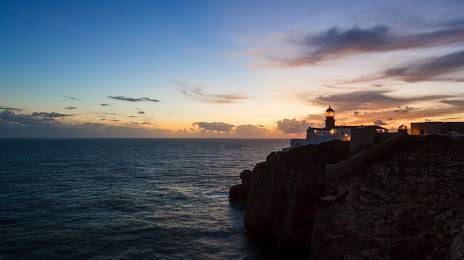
{"x":407,"y":204}
{"x":283,"y":191}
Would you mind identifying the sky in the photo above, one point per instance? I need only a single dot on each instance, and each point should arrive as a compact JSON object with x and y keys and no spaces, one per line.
{"x":235,"y":69}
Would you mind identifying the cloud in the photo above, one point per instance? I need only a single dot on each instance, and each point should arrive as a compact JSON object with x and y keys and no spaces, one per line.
{"x":379,"y":122}
{"x":49,"y":115}
{"x":292,"y":126}
{"x":337,"y":43}
{"x":367,"y":100}
{"x":70,"y":108}
{"x":424,"y":70}
{"x":141,"y":112}
{"x":18,"y":125}
{"x":9,"y":117}
{"x":406,"y":114}
{"x":250,"y":131}
{"x":453,"y":102}
{"x":214,"y":126}
{"x":72,"y":98}
{"x":404,"y":110}
{"x":130,"y":99}
{"x":24,"y":125}
{"x":196,"y":93}
{"x":105,"y":105}
{"x":10,"y":108}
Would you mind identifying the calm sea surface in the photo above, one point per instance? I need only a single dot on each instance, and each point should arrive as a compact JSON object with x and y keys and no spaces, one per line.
{"x":124,"y":198}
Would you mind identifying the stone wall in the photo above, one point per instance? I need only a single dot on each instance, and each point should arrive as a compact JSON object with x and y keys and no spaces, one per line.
{"x":357,"y":161}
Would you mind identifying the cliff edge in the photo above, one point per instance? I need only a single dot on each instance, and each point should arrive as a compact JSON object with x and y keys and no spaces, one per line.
{"x":283,"y":190}
{"x":407,"y":203}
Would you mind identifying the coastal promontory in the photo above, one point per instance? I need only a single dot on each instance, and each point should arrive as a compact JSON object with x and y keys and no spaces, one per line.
{"x":407,"y":202}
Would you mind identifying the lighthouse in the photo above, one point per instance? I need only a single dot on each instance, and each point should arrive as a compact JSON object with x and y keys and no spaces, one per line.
{"x":359,"y":135}
{"x":329,"y":118}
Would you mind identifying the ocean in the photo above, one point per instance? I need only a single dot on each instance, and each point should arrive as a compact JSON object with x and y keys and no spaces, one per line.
{"x":125,"y":198}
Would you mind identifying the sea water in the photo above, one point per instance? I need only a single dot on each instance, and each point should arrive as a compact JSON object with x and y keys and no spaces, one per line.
{"x":125,"y":198}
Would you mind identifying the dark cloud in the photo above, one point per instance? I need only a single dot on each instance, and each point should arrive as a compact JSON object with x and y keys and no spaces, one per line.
{"x":367,"y":100}
{"x":454,"y":102}
{"x":405,"y":113}
{"x":292,"y":126}
{"x":336,"y":42}
{"x":70,"y":108}
{"x":197,"y":94}
{"x":12,"y":118}
{"x":130,"y":99}
{"x":50,"y":114}
{"x":23,"y":125}
{"x":141,"y":112}
{"x":214,"y":126}
{"x":430,"y":69}
{"x":72,"y":98}
{"x":404,"y":110}
{"x":379,"y":122}
{"x":10,"y":108}
{"x":105,"y":105}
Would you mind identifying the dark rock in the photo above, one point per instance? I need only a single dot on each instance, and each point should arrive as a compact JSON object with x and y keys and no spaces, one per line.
{"x":405,"y":204}
{"x":283,"y":190}
{"x":238,"y":193}
{"x":245,"y":176}
{"x":406,"y":207}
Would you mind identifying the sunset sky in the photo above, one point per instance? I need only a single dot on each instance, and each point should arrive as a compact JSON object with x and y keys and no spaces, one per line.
{"x":226,"y":68}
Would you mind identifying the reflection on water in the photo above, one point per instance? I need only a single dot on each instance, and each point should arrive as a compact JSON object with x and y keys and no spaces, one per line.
{"x":124,"y":198}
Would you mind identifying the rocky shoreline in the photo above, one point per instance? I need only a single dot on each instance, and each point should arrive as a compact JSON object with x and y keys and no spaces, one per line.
{"x":409,"y":203}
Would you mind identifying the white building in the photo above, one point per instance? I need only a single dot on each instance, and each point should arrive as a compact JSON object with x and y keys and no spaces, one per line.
{"x":333,"y":132}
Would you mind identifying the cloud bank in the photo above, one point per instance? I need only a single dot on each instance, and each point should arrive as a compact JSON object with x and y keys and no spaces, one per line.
{"x":434,"y":69}
{"x":292,"y":126}
{"x":10,"y":108}
{"x":367,"y":100}
{"x":336,"y":42}
{"x":214,"y":126}
{"x":50,"y":115}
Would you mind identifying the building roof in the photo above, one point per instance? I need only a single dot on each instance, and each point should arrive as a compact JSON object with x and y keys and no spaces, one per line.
{"x":330,"y":109}
{"x":349,"y":126}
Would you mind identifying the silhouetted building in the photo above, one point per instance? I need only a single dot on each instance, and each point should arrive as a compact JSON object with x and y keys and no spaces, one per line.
{"x":437,"y":128}
{"x":403,"y":130}
{"x":364,"y":136}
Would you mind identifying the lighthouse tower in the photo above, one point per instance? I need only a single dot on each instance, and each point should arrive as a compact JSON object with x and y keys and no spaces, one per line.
{"x":329,"y":118}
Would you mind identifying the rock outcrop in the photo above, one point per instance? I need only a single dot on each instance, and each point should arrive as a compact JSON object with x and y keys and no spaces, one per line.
{"x":408,"y":204}
{"x":283,"y":191}
{"x":238,"y":192}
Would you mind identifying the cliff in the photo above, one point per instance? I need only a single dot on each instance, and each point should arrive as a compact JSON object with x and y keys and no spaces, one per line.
{"x":407,"y":203}
{"x":283,"y":190}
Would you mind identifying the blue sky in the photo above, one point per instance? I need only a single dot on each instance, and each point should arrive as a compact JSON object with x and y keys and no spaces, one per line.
{"x":220,"y":61}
